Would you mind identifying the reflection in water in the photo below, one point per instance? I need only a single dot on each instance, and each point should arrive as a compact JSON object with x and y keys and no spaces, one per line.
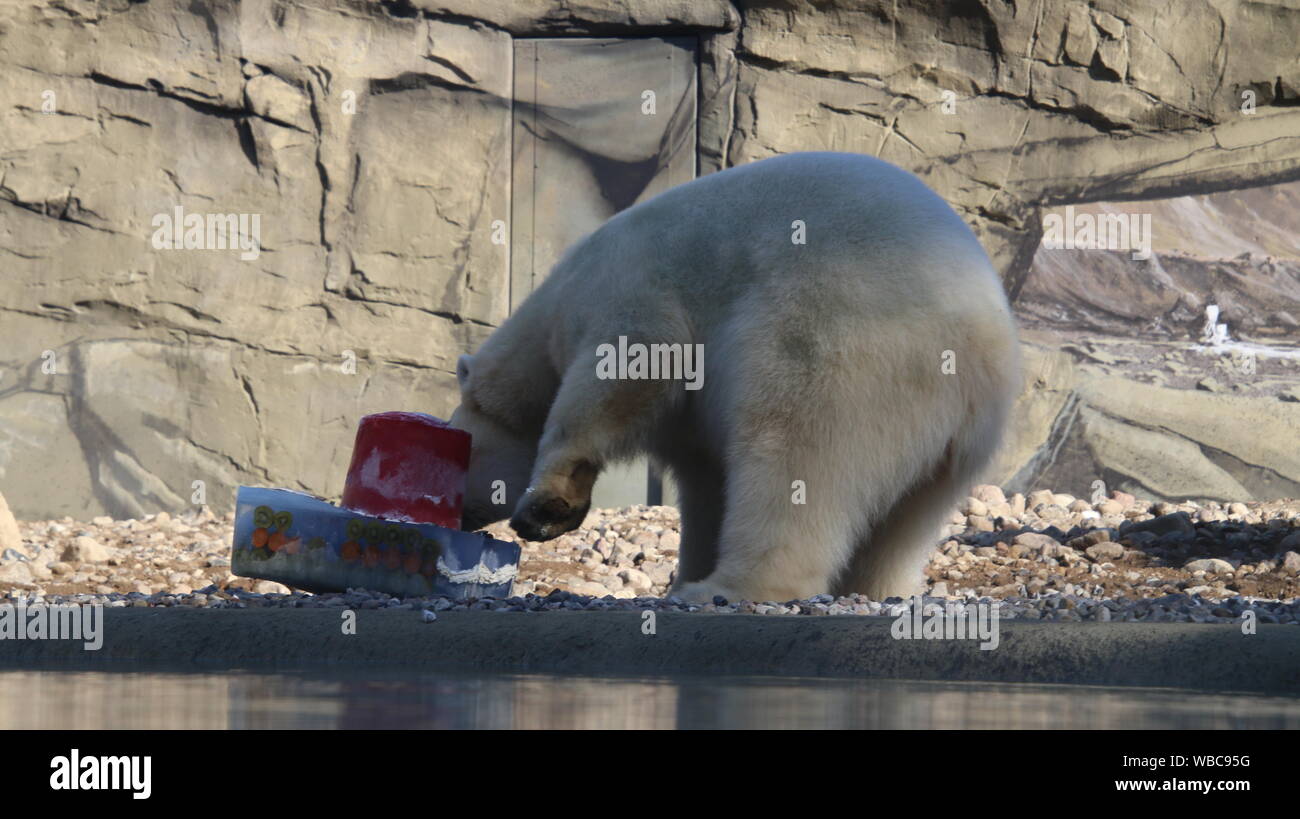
{"x":364,"y":699}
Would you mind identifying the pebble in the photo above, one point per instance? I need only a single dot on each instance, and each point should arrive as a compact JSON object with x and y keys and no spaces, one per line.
{"x":85,"y":549}
{"x":1209,"y":565}
{"x":1105,"y":551}
{"x":10,"y":535}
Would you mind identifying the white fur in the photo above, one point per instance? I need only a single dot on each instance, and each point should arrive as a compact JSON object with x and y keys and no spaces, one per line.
{"x":822,"y":364}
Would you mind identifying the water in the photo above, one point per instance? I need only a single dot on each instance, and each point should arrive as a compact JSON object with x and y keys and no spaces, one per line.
{"x":357,"y":699}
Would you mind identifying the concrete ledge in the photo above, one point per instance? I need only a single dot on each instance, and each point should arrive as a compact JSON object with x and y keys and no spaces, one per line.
{"x":1183,"y":655}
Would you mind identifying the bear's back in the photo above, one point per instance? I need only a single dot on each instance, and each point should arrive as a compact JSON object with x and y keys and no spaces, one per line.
{"x":842,"y":196}
{"x":834,"y":220}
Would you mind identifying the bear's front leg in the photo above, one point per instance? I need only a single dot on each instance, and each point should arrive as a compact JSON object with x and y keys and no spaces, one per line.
{"x":556,"y":502}
{"x":592,"y":422}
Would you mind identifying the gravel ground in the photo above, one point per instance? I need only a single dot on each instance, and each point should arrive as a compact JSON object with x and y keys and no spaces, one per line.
{"x":1049,"y":556}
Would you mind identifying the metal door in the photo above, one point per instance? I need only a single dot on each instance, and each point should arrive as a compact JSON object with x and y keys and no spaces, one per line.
{"x":599,"y":125}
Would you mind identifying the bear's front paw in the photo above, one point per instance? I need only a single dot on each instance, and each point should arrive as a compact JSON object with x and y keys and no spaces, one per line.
{"x":703,"y":591}
{"x":544,"y":515}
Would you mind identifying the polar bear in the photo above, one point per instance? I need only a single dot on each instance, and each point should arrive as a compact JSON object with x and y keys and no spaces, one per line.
{"x":859,"y":362}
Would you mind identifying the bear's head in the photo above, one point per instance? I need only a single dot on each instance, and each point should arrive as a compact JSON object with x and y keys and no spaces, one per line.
{"x":501,"y":457}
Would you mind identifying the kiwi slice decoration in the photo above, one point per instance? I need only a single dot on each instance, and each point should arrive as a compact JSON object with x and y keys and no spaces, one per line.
{"x":263,"y":517}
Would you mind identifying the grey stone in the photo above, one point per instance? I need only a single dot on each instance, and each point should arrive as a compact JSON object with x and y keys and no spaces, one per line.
{"x":16,"y":573}
{"x":1178,"y":522}
{"x":637,"y":580}
{"x":1105,"y":551}
{"x":84,"y":549}
{"x":1209,"y":565}
{"x":10,"y":537}
{"x":1036,"y":542}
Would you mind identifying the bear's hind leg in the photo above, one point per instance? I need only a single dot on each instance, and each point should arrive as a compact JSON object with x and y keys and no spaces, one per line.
{"x":891,"y":555}
{"x":780,"y":540}
{"x":890,"y":558}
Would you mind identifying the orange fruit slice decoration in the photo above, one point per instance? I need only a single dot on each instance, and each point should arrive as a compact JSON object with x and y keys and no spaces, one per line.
{"x":392,"y":558}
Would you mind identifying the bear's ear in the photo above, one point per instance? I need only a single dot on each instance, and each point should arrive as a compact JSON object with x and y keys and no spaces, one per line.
{"x":462,"y":370}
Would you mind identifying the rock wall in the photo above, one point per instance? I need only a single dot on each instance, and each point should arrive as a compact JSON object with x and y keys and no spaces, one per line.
{"x":1130,"y":391}
{"x":371,"y":142}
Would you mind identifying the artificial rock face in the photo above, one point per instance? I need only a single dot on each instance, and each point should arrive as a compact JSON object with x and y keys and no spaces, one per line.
{"x":373,"y":143}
